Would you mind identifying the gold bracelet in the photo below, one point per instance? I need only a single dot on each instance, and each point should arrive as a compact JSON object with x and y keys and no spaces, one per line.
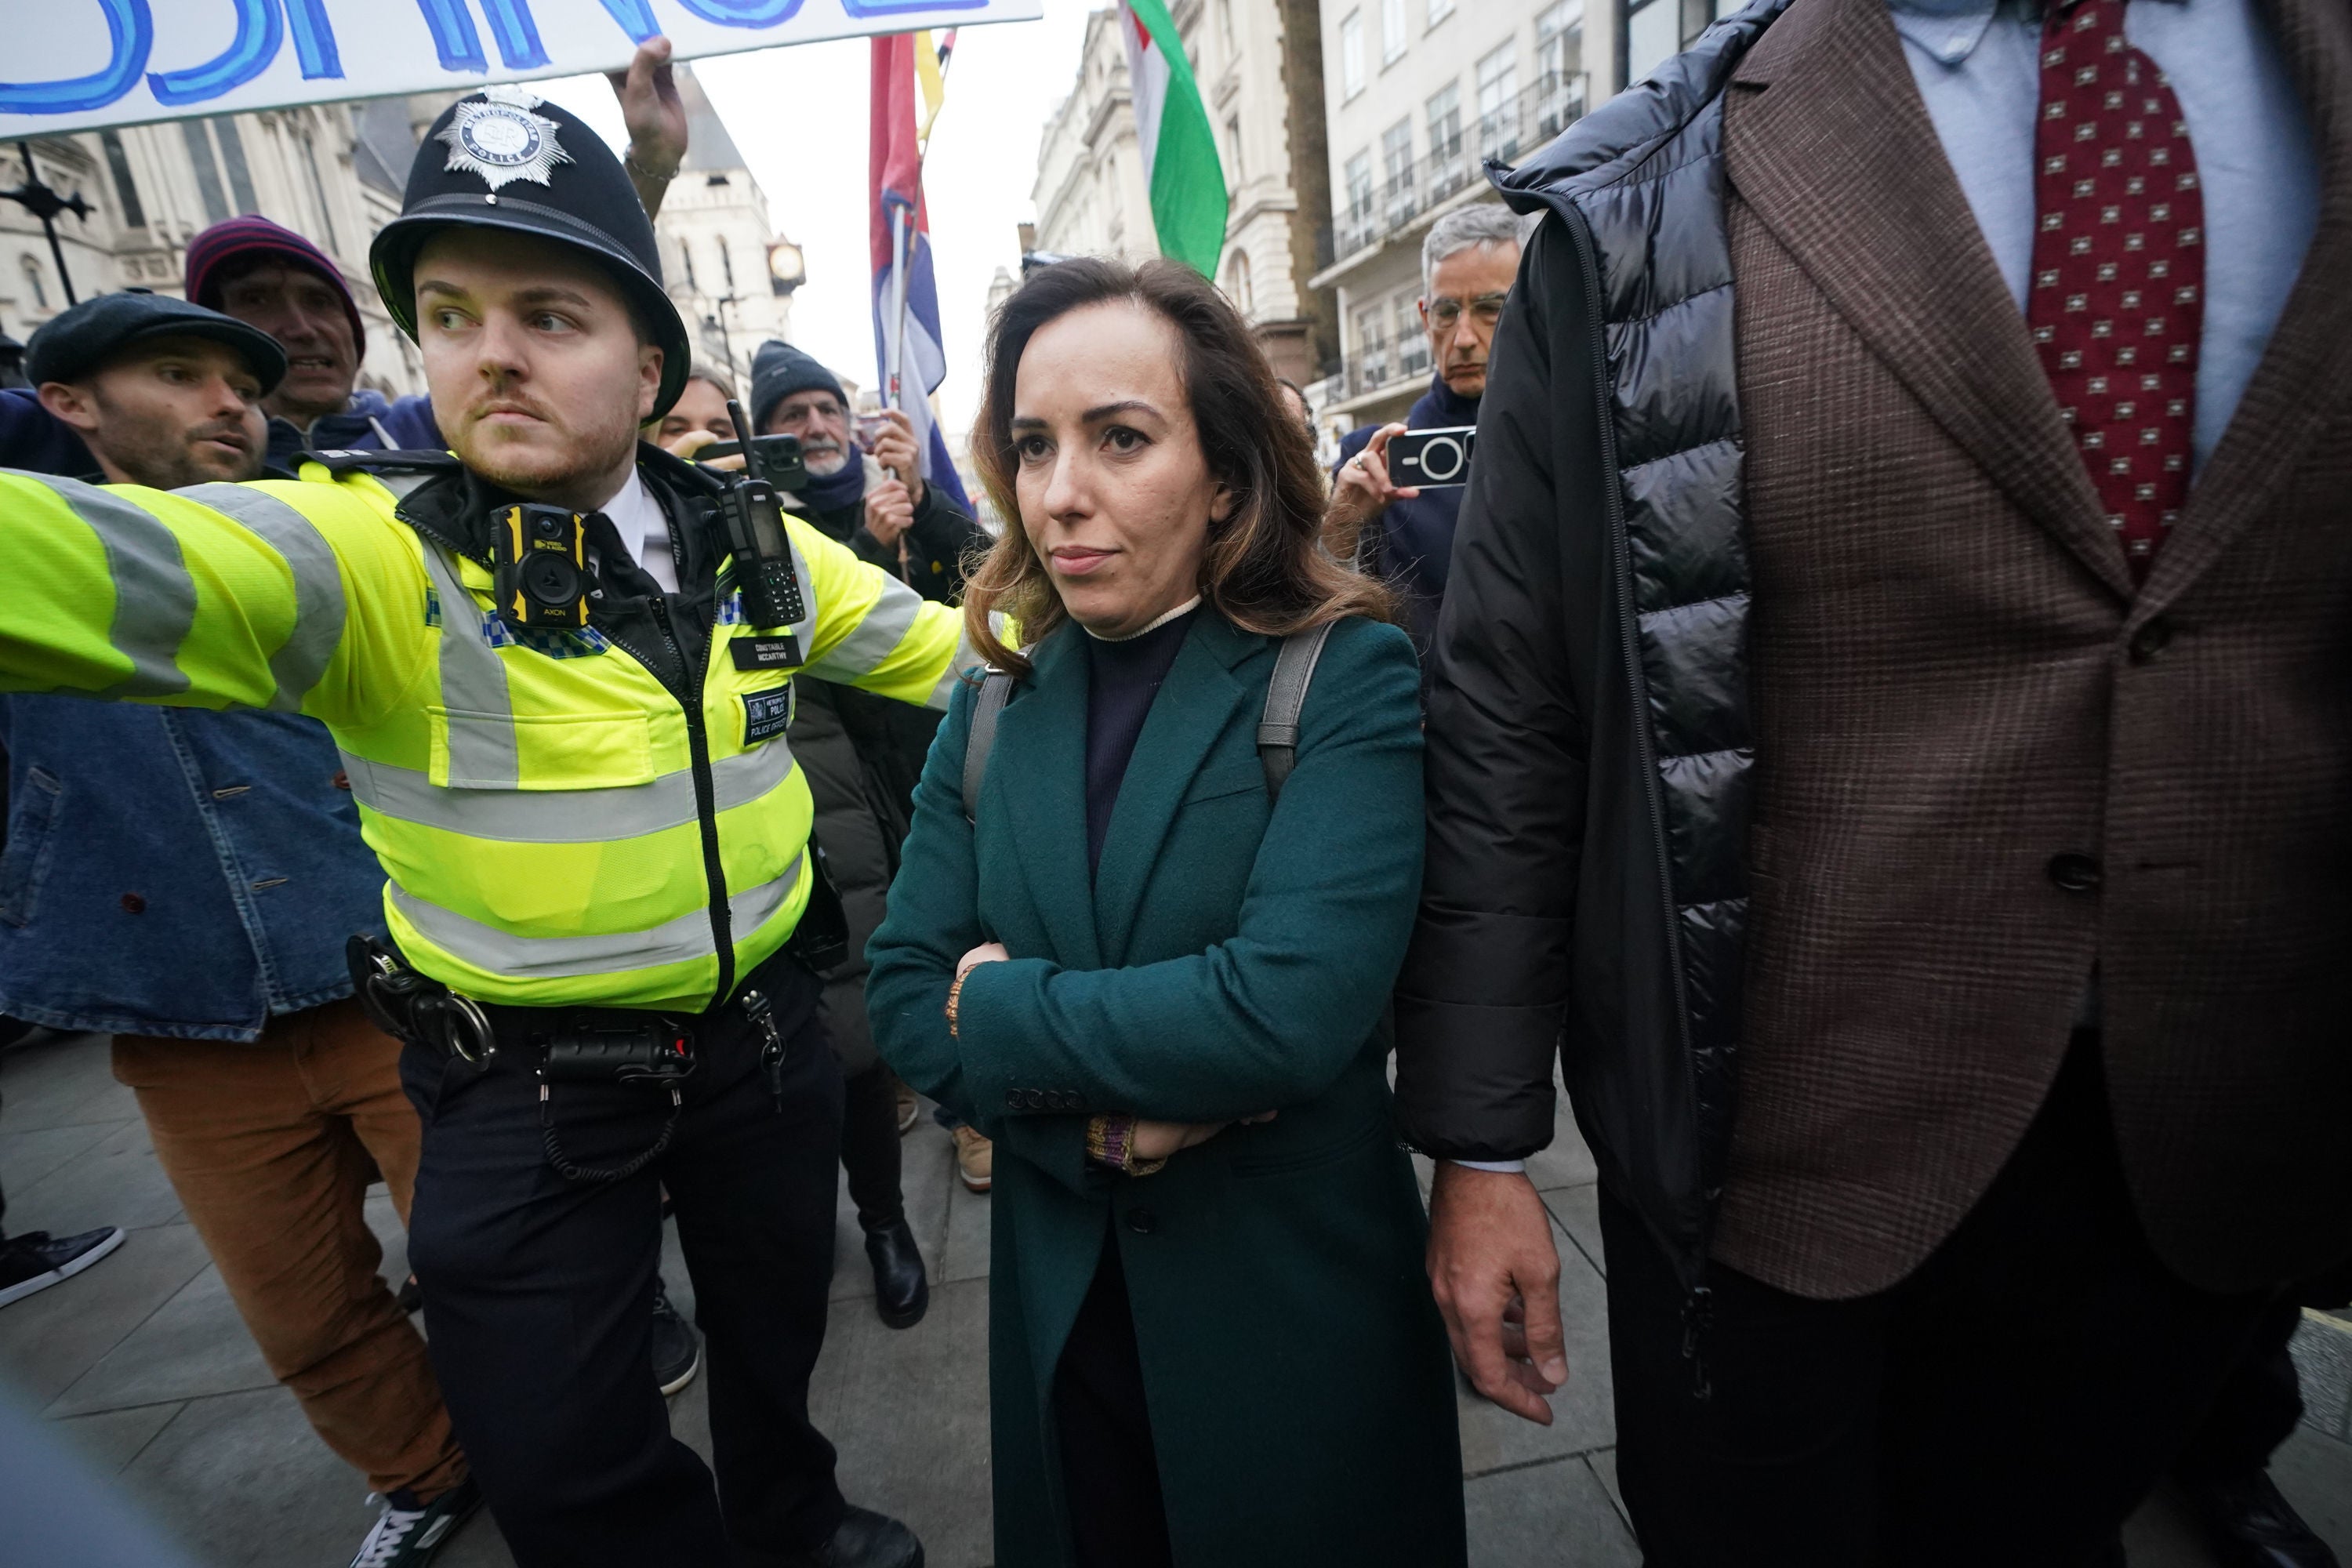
{"x":955,"y":992}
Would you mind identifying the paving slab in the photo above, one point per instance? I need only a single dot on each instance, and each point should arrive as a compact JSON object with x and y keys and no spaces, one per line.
{"x":1604,"y":1464}
{"x":115,"y":1180}
{"x":27,"y":1157}
{"x":1567,"y":1161}
{"x":2322,"y":1361}
{"x":192,"y":1345}
{"x":60,"y":1080}
{"x":50,"y":1339}
{"x":112,"y":1438}
{"x":970,"y":1232}
{"x":1577,"y":1211}
{"x":1555,"y":1514}
{"x":909,"y":1411}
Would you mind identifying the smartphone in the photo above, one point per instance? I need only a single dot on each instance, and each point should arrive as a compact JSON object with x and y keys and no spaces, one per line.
{"x":869,"y":430}
{"x":776,"y":459}
{"x":1431,"y":459}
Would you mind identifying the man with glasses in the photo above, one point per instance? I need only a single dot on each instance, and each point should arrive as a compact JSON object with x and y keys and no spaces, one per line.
{"x":1467,"y":263}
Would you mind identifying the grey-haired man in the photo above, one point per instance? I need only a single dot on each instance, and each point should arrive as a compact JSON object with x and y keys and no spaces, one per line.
{"x":1467,"y":263}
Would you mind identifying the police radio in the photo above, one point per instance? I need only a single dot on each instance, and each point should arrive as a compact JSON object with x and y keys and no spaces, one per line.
{"x":753,"y":521}
{"x":539,"y":561}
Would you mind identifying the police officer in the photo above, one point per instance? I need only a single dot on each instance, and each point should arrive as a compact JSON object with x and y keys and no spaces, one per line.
{"x":596,"y":841}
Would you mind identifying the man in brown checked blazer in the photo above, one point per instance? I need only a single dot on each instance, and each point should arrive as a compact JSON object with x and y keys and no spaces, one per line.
{"x":1890,"y":740}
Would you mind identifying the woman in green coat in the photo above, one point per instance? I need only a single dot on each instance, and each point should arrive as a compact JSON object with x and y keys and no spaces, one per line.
{"x":1157,"y":983}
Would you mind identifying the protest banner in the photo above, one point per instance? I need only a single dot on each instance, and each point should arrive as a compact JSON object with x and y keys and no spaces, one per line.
{"x":78,"y":65}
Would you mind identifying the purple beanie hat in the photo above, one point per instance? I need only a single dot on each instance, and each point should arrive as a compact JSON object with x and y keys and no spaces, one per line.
{"x":252,"y":236}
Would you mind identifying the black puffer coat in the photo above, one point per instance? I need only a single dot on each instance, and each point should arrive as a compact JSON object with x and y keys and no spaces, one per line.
{"x":1589,"y":747}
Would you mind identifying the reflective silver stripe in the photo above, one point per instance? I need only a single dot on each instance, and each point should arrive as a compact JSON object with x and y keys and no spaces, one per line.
{"x":318,"y":609}
{"x":556,"y":957}
{"x":154,"y":597}
{"x":875,"y":638}
{"x":967,"y":657}
{"x":806,"y":627}
{"x":564,"y":817}
{"x":473,"y":684}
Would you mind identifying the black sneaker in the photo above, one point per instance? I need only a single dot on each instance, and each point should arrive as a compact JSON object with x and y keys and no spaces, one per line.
{"x":408,"y":1533}
{"x":36,"y":1260}
{"x":866,"y":1540}
{"x":677,"y":1349}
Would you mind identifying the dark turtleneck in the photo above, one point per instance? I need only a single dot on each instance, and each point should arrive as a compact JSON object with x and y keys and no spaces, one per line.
{"x":1125,"y":677}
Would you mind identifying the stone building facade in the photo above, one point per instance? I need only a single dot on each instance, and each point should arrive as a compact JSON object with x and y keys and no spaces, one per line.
{"x":332,"y":171}
{"x":730,"y":274}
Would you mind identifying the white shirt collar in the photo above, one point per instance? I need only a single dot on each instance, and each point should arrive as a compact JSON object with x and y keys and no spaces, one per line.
{"x":638,"y":518}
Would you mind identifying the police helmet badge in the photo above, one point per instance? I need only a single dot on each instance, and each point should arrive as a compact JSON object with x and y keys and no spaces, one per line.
{"x":497,"y":137}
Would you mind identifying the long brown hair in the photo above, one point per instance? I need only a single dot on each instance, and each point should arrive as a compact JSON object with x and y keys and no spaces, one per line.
{"x":1265,"y":570}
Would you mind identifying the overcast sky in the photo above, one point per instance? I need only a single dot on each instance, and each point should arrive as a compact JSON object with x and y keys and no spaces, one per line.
{"x":800,"y":117}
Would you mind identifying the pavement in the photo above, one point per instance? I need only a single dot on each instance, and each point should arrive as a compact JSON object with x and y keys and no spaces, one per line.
{"x":142,"y":1365}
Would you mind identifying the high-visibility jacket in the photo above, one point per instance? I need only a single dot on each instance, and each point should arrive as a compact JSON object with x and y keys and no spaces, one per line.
{"x":559,"y":824}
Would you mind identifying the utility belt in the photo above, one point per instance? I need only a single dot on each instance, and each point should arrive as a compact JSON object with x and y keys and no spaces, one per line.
{"x":566,"y":1045}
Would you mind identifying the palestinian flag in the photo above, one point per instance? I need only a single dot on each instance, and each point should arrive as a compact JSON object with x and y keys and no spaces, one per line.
{"x":1171,"y":124}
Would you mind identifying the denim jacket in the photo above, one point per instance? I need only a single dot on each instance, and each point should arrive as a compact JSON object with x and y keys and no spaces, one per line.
{"x":175,"y":872}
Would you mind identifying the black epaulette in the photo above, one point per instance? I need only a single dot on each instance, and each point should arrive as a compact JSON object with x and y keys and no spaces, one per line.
{"x":344,"y":460}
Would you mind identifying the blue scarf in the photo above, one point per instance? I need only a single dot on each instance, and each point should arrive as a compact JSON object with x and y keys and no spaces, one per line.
{"x":831,"y":492}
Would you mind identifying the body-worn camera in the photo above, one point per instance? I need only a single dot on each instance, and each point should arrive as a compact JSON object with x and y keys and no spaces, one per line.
{"x":752,"y":518}
{"x":776,"y":459}
{"x":539,"y":563}
{"x":1428,"y":459}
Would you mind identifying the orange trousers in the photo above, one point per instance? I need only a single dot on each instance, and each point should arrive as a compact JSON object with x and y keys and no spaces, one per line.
{"x":271,"y":1146}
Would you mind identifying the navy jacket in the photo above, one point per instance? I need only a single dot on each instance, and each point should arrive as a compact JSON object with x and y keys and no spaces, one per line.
{"x":1414,"y":542}
{"x":38,"y":441}
{"x":409,"y":421}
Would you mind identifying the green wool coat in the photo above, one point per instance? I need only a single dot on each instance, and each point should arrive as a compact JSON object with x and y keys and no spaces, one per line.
{"x":1228,"y":958}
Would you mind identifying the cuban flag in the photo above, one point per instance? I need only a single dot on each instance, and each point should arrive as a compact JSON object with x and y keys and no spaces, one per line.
{"x":895,"y":158}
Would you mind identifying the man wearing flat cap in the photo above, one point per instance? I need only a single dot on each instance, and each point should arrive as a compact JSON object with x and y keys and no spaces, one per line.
{"x":183,"y":881}
{"x":559,"y":665}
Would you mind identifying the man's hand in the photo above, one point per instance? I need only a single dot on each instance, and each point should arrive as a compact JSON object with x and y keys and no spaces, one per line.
{"x":686,"y":443}
{"x":655,"y":121}
{"x":893,"y":447}
{"x":1361,"y":493}
{"x":1495,"y":1275}
{"x":889,"y":511}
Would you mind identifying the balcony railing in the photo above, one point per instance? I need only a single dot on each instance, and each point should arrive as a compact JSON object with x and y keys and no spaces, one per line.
{"x":1519,"y":126}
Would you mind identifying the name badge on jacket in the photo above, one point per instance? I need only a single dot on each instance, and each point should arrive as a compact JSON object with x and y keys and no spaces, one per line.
{"x":765,"y":714}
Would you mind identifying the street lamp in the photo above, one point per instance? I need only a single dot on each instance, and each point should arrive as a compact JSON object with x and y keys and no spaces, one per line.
{"x":45,"y":204}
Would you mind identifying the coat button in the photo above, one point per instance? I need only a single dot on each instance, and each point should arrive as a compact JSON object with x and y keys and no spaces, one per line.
{"x":1143,"y":1222}
{"x":2150,"y":640}
{"x":2074,"y":872}
{"x":132,"y":904}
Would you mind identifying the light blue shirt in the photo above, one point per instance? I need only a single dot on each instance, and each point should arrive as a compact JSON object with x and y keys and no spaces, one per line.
{"x":1976,"y":63}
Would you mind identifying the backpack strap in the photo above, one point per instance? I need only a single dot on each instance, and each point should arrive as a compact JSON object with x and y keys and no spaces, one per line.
{"x":995,"y":689}
{"x":1286,"y":698}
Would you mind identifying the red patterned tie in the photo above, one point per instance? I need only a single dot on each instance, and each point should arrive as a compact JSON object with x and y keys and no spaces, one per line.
{"x":2118,"y":293}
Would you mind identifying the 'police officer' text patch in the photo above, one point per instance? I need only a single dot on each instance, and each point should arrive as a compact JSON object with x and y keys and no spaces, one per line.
{"x":765,"y":714}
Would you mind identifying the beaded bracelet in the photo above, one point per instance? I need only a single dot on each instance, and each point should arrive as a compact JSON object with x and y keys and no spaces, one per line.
{"x":955,"y":994}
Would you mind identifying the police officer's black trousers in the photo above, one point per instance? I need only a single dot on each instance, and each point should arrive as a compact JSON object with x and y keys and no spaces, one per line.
{"x":538,"y":1294}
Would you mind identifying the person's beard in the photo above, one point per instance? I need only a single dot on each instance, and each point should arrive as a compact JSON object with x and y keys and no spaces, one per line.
{"x":561,"y":464}
{"x":167,"y":456}
{"x":824,"y":460}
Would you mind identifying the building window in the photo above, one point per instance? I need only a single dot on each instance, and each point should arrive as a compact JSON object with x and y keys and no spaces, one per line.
{"x":1371,"y":348}
{"x":240,"y":178}
{"x":1237,"y":282}
{"x":1391,"y":29}
{"x":208,"y":182}
{"x":1351,"y":54}
{"x":1654,"y":31}
{"x":1559,"y":66}
{"x":1225,"y":29}
{"x":1412,"y":341}
{"x":35,"y":283}
{"x":1438,"y":10}
{"x":727,"y":263}
{"x":1446,"y":123}
{"x":1396,"y":162}
{"x":126,"y":189}
{"x":1360,"y":188}
{"x":1498,"y":91}
{"x":1234,"y":146}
